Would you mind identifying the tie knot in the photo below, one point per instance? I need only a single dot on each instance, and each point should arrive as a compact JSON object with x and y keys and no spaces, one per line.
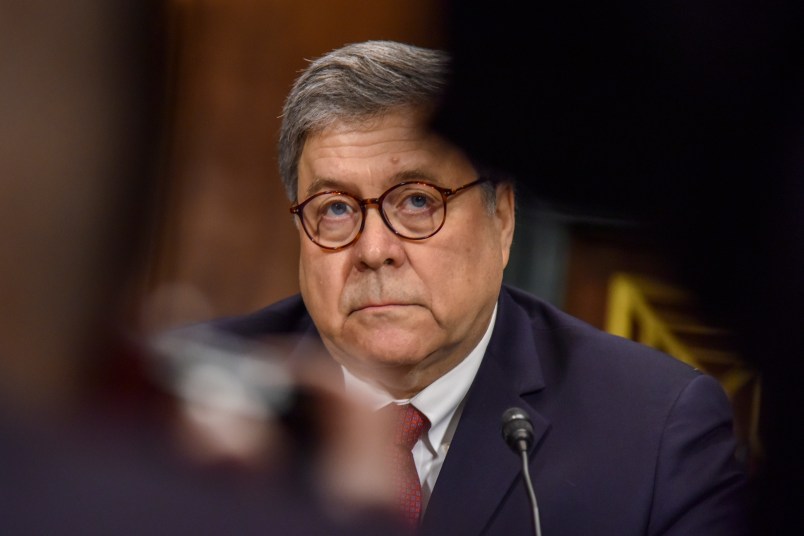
{"x":410,"y":425}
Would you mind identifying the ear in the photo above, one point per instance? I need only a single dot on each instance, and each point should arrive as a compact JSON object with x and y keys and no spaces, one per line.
{"x":505,"y":217}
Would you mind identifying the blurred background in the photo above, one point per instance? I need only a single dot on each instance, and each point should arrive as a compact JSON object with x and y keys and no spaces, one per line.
{"x":657,"y":148}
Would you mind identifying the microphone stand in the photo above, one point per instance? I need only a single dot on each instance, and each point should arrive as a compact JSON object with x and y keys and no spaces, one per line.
{"x":534,"y":505}
{"x":517,"y":431}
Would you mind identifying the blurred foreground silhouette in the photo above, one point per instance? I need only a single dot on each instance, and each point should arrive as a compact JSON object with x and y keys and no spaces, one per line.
{"x":104,"y":430}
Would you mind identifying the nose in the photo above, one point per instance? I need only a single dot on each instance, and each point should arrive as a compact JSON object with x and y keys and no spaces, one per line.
{"x":378,"y":245}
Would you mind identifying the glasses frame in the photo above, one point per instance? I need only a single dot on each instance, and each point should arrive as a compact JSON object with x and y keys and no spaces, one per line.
{"x":446,"y":195}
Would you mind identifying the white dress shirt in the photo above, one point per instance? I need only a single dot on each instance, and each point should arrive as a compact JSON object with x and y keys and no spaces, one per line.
{"x":441,"y":402}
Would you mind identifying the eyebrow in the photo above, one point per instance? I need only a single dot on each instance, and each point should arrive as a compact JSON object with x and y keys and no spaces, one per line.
{"x":320,"y":184}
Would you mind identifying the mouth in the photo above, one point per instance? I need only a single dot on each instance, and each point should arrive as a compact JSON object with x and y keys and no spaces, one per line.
{"x":379,"y":307}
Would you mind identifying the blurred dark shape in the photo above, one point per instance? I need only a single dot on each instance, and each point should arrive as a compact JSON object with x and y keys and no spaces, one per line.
{"x":103,"y":431}
{"x":686,"y":119}
{"x":81,"y":90}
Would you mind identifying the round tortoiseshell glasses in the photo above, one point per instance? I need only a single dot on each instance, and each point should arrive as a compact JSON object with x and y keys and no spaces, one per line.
{"x":412,"y":210}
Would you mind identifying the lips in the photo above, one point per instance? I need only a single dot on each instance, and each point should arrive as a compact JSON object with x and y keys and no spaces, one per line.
{"x":381,"y":305}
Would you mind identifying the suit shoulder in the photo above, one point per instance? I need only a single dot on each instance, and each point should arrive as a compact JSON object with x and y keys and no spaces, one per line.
{"x":570,"y":338}
{"x":287,"y":316}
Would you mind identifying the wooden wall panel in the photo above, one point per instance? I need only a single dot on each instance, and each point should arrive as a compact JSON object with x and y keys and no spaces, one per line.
{"x":596,"y":253}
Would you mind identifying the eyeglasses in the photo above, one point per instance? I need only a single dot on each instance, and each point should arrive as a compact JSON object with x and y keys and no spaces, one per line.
{"x":412,"y":210}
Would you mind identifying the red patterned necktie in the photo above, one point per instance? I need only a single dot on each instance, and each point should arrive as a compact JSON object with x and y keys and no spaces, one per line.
{"x":410,"y":425}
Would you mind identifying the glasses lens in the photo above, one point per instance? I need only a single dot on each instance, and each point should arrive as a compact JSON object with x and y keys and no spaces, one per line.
{"x":414,"y":210}
{"x":331,"y":219}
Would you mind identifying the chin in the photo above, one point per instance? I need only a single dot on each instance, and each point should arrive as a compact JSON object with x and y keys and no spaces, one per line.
{"x":390,"y":337}
{"x":391,"y":350}
{"x":392,"y":355}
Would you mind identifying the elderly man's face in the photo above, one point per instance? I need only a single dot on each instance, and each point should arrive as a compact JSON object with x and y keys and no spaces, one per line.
{"x":399,"y":312}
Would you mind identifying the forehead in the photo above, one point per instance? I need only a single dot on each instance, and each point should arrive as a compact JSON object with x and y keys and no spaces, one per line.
{"x":380,"y":152}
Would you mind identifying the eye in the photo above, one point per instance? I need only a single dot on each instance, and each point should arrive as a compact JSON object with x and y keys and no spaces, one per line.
{"x":418,"y":200}
{"x":413,"y":200}
{"x":336,"y":207}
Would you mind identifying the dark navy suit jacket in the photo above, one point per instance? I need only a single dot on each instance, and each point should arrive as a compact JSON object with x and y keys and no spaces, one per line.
{"x":628,"y":440}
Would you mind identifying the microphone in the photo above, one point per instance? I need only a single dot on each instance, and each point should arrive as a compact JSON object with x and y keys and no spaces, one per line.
{"x":517,"y":431}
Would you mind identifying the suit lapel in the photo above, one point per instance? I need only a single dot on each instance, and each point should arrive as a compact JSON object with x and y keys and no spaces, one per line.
{"x":480,"y":467}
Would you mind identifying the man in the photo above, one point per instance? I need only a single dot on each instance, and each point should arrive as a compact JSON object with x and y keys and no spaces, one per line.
{"x":403,"y":246}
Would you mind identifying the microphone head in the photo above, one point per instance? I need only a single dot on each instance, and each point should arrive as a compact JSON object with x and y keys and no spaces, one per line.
{"x":517,"y":429}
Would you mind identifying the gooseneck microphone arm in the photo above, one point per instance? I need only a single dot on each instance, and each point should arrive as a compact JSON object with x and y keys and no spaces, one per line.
{"x":517,"y":431}
{"x":531,"y":494}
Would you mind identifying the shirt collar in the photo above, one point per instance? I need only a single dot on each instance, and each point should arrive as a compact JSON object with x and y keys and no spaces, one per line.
{"x":439,"y":400}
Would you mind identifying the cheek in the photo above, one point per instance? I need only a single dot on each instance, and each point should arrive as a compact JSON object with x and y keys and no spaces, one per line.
{"x":467,"y":269}
{"x":457,"y":272}
{"x":320,"y":281}
{"x":469,"y":254}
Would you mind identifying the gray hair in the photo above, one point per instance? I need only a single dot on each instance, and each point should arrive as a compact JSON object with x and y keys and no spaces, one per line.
{"x":357,"y":82}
